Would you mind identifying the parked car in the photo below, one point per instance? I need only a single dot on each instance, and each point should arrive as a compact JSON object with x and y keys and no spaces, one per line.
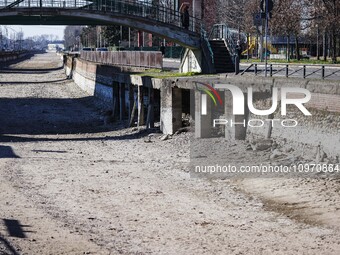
{"x":102,"y":49}
{"x":305,"y":56}
{"x":87,"y":49}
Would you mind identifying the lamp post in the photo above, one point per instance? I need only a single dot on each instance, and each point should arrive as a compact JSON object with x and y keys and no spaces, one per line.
{"x":317,"y":43}
{"x":266,"y":7}
{"x":1,"y":44}
{"x":14,"y":36}
{"x":266,"y":44}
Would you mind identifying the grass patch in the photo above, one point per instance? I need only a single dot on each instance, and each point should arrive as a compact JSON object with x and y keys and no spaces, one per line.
{"x":157,"y":73}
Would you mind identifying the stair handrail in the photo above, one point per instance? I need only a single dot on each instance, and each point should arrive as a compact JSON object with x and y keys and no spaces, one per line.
{"x":222,"y":31}
{"x":205,"y":40}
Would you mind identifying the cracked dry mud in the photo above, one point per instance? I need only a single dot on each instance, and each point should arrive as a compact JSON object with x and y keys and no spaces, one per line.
{"x":78,"y":187}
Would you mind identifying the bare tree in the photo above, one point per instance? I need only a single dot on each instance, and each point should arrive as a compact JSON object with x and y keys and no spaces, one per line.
{"x":72,"y":36}
{"x":331,"y":16}
{"x":233,"y":13}
{"x":287,"y":17}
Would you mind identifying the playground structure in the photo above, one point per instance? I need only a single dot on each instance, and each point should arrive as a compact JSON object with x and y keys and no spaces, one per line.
{"x":254,"y":47}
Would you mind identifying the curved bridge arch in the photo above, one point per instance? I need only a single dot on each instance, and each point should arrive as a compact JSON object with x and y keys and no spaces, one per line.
{"x":149,"y":18}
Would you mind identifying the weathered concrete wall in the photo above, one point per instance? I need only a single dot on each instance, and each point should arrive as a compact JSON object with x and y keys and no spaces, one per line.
{"x":88,"y":78}
{"x":192,"y":61}
{"x":147,"y":59}
{"x":325,"y":94}
{"x":323,"y":127}
{"x":171,"y":108}
{"x":98,"y":81}
{"x":12,"y":56}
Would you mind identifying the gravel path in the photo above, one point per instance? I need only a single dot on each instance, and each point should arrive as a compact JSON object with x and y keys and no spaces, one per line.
{"x":69,"y":185}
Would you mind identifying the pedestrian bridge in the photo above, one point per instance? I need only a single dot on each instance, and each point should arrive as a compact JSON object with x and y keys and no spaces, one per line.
{"x":141,"y":15}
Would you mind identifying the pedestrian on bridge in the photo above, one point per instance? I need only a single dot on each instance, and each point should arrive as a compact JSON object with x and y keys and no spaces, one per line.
{"x":185,"y":17}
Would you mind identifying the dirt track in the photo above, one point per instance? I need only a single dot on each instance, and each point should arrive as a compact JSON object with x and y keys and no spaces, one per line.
{"x":78,"y":187}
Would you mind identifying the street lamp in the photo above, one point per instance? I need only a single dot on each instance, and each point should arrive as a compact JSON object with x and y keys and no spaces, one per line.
{"x":1,"y":43}
{"x":14,"y":36}
{"x":317,"y":42}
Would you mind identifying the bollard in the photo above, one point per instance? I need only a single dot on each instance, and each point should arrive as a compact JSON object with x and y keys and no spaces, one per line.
{"x":323,"y":72}
{"x":287,"y":71}
{"x":255,"y":69}
{"x":271,"y":70}
{"x":237,"y":65}
{"x":304,"y":71}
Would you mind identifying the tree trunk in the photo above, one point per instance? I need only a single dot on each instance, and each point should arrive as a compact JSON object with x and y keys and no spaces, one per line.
{"x":329,"y":41}
{"x":317,"y":44}
{"x":297,"y":52}
{"x":324,"y":46}
{"x":334,"y":45}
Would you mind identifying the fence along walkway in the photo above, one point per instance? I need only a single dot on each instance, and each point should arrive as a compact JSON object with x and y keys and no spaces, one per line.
{"x":297,"y":71}
{"x":146,"y":59}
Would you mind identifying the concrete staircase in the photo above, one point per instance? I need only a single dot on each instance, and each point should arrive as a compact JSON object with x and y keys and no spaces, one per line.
{"x":222,"y":59}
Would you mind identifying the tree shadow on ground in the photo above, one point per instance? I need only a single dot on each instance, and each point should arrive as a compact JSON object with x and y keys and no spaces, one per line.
{"x":129,"y":136}
{"x":38,"y":116}
{"x":9,"y":70}
{"x":14,"y":229}
{"x":57,"y":116}
{"x":33,"y":83}
{"x":6,"y":248}
{"x":7,"y":152}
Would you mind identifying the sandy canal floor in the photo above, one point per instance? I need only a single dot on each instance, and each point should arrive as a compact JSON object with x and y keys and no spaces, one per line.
{"x":70,"y":185}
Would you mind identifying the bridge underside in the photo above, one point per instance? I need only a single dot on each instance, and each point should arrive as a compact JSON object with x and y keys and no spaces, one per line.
{"x":60,"y":16}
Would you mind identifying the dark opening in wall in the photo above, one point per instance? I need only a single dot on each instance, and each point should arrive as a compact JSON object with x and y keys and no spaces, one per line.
{"x":186,"y":107}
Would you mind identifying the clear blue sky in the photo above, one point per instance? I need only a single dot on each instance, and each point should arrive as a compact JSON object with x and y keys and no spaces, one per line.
{"x":40,"y":30}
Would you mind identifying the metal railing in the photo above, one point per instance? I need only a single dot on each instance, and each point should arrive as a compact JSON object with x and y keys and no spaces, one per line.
{"x":297,"y":71}
{"x":154,"y":12}
{"x":223,"y":32}
{"x":145,"y":59}
{"x":205,"y":41}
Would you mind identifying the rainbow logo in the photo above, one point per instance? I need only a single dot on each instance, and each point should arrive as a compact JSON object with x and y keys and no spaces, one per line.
{"x":213,"y":94}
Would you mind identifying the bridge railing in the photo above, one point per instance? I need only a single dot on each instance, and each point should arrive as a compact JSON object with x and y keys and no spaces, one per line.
{"x":126,"y":7}
{"x":45,"y":3}
{"x":145,"y":59}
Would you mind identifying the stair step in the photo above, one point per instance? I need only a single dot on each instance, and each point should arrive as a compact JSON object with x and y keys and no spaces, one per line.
{"x":223,"y":56}
{"x":224,"y":70}
{"x":223,"y":66}
{"x":223,"y":62}
{"x":221,"y":50}
{"x":222,"y":59}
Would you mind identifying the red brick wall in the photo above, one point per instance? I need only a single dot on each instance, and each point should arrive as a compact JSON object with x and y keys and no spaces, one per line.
{"x":205,"y":10}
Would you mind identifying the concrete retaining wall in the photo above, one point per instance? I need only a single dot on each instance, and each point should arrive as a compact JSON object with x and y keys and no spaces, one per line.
{"x":85,"y":75}
{"x":11,"y":56}
{"x":323,"y":126}
{"x":101,"y":81}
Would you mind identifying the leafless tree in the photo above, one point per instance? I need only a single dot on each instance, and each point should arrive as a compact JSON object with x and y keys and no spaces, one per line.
{"x":72,"y":36}
{"x":287,"y":21}
{"x":331,"y":18}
